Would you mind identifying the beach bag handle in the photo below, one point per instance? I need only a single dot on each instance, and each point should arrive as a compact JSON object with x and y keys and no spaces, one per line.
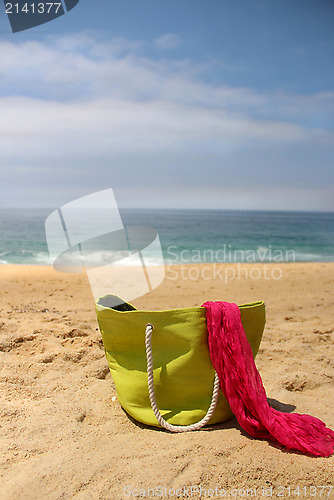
{"x":151,"y":392}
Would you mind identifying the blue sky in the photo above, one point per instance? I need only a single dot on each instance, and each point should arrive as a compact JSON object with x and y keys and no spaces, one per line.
{"x":188,"y":103}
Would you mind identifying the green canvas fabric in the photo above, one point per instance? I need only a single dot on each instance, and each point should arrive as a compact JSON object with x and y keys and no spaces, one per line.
{"x":183,"y":372}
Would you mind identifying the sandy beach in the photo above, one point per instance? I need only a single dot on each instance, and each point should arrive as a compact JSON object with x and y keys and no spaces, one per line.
{"x":63,"y":434}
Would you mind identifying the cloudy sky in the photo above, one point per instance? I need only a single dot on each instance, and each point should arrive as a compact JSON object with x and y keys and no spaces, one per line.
{"x":178,"y":103}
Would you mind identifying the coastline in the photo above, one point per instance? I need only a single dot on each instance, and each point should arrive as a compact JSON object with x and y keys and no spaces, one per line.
{"x":63,"y":435}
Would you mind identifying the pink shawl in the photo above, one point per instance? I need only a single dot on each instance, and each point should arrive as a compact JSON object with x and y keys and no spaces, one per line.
{"x":242,"y":386}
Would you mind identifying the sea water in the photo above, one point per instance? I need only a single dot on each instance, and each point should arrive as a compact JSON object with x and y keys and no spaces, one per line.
{"x":191,"y":236}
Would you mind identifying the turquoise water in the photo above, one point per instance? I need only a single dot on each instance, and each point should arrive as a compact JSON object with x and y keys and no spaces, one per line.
{"x":192,"y":235}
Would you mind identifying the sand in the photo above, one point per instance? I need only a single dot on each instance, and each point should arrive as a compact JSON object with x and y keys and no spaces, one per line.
{"x":63,"y":434}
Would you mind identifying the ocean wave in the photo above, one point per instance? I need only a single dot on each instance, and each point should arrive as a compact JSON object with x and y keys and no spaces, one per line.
{"x":187,"y":236}
{"x":96,"y":259}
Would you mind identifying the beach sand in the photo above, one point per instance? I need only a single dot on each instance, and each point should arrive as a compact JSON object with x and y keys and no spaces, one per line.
{"x":63,"y":434}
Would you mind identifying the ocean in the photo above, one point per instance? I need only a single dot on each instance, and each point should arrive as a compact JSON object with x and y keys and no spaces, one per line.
{"x":191,"y":236}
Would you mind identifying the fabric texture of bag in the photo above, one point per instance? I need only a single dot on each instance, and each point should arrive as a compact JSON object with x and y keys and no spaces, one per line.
{"x":182,"y":368}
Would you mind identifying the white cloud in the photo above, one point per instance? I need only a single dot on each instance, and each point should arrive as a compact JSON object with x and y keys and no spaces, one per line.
{"x":43,"y":131}
{"x":167,"y":41}
{"x":96,"y":110}
{"x":85,"y":66}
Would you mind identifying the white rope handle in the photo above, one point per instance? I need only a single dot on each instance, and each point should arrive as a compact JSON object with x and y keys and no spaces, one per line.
{"x":154,"y":406}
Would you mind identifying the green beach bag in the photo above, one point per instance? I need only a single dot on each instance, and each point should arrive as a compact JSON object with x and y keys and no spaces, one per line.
{"x":160,"y":362}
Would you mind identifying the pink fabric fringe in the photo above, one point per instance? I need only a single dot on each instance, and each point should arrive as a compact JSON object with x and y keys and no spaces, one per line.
{"x":242,"y":385}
